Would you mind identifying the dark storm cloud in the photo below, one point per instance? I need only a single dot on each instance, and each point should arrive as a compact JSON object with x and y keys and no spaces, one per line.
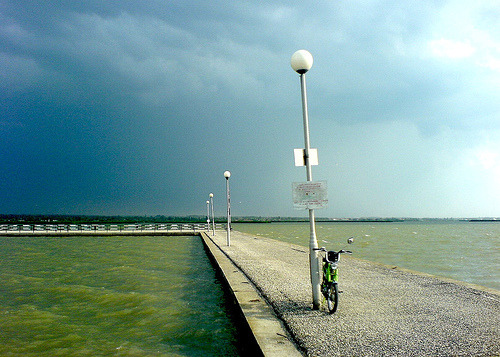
{"x":138,"y":107}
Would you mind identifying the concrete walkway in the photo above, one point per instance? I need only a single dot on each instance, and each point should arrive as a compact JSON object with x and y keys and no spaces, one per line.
{"x":383,"y":311}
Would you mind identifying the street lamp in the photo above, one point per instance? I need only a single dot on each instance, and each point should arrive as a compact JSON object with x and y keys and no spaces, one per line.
{"x":211,"y":195}
{"x":227,"y":175}
{"x":302,"y":62}
{"x":208,"y":216}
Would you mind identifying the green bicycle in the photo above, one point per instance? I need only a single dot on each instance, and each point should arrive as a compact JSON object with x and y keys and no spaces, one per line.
{"x":329,"y":284}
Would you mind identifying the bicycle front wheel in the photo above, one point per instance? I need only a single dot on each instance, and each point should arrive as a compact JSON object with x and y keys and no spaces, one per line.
{"x":332,"y":298}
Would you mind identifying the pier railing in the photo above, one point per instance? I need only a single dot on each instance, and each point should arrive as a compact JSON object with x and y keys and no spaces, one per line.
{"x":95,"y":227}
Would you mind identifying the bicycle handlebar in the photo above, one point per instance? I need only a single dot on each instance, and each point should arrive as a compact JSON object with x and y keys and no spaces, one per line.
{"x":323,"y":249}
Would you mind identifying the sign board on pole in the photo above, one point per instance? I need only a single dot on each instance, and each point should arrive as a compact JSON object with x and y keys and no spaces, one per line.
{"x":300,"y":160}
{"x":310,"y":195}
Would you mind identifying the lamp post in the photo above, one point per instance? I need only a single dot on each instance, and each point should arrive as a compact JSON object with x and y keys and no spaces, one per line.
{"x":227,"y":175}
{"x":302,"y":62}
{"x":211,"y":195}
{"x":208,"y":216}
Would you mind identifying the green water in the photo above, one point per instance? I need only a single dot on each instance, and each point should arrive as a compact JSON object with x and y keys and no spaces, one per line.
{"x":464,"y":251}
{"x":119,"y":296}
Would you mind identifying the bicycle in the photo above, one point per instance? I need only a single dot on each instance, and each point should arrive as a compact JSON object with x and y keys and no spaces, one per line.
{"x":329,"y":284}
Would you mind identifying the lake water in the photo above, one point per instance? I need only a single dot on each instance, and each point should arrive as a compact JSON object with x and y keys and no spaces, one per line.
{"x":159,"y":296}
{"x":120,"y":296}
{"x":465,"y":251}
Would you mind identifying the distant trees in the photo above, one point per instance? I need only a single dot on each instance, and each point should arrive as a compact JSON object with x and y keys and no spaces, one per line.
{"x":42,"y":218}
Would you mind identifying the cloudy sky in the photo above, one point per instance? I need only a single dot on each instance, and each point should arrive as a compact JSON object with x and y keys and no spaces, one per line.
{"x":139,"y":106}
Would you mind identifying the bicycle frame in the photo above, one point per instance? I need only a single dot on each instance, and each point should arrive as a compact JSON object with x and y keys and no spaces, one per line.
{"x":329,"y":284}
{"x":330,"y":271}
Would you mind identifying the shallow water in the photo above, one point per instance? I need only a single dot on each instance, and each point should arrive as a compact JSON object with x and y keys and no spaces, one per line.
{"x":465,"y":251}
{"x":121,"y":296}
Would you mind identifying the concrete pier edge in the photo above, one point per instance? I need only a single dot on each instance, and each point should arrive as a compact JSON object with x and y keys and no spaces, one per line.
{"x":268,"y":330}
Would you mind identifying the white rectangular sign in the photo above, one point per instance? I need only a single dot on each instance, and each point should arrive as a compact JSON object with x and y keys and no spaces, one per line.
{"x":310,"y":195}
{"x":299,"y":155}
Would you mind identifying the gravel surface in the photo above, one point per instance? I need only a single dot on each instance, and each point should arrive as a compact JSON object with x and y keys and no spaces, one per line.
{"x":383,"y":311}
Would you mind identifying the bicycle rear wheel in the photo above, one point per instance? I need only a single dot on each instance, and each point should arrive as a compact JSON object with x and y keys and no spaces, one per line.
{"x":332,"y":298}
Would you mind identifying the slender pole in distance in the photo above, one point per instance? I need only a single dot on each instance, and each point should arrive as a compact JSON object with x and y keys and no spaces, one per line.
{"x":208,"y":216}
{"x":213,"y":218}
{"x":227,"y":174}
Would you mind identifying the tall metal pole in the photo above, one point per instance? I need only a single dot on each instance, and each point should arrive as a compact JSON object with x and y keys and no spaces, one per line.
{"x":213,"y":217}
{"x":227,"y":174}
{"x":208,"y":216}
{"x":313,"y":243}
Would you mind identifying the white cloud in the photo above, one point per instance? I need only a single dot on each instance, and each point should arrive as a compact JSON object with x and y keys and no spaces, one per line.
{"x":487,"y":158}
{"x":492,"y":63}
{"x":465,"y":30}
{"x":451,"y":49}
{"x":478,"y":172}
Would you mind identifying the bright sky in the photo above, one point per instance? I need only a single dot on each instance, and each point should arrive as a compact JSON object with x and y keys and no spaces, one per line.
{"x":138,"y":107}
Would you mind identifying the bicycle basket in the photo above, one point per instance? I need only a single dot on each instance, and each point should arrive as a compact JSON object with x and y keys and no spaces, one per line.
{"x":333,"y":256}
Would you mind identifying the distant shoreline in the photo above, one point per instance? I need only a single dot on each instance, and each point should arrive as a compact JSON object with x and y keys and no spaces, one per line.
{"x":484,"y":220}
{"x":80,"y":219}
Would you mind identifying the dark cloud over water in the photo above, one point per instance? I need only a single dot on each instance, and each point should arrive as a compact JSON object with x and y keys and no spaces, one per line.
{"x":138,"y":107}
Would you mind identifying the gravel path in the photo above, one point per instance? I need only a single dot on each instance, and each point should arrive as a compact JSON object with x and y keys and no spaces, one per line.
{"x":383,"y":311}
